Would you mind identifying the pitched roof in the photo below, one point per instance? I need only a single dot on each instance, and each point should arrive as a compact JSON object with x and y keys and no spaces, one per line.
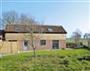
{"x":25,"y":28}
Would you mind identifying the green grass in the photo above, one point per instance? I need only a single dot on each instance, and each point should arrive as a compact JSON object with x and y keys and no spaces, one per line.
{"x":54,"y":60}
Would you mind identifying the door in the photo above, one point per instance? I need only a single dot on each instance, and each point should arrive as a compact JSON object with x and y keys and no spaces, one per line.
{"x":55,"y":44}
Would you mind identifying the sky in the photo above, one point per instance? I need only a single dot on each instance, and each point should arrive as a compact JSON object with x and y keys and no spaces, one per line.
{"x":71,"y":14}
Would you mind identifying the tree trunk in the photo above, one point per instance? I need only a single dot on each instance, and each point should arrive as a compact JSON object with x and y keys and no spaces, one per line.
{"x":34,"y":52}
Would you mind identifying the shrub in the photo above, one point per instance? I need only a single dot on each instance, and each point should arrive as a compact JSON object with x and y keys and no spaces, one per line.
{"x":71,"y":45}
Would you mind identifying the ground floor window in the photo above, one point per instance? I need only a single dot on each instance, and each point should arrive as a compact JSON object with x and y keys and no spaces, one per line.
{"x":55,"y":44}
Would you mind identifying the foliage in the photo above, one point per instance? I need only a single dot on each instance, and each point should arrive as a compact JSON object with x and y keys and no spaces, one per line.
{"x":53,"y":60}
{"x":71,"y":45}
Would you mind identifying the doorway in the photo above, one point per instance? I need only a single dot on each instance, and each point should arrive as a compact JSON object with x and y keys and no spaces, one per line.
{"x":25,"y":45}
{"x":55,"y":44}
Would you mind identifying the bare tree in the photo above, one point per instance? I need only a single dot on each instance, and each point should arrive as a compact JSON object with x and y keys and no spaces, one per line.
{"x":24,"y":19}
{"x":76,"y":36}
{"x":10,"y":17}
{"x":13,"y":18}
{"x":87,"y":37}
{"x":31,"y":26}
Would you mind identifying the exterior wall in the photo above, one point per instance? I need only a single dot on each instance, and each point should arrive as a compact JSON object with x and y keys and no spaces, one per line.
{"x":43,"y":47}
{"x":16,"y":42}
{"x":62,"y":44}
{"x":21,"y":36}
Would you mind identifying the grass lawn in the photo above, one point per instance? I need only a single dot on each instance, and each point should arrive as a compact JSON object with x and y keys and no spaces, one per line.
{"x":54,"y":60}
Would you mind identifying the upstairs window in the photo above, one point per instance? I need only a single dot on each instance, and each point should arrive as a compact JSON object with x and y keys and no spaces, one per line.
{"x":17,"y":29}
{"x":50,"y":29}
{"x":42,"y":42}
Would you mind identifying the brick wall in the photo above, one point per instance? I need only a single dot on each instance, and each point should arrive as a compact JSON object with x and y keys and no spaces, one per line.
{"x":17,"y":44}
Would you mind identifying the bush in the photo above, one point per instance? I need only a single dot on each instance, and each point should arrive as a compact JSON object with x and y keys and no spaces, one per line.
{"x":71,"y":45}
{"x":84,"y":58}
{"x":86,"y":47}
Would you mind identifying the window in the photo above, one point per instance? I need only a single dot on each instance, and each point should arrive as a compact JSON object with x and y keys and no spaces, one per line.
{"x":50,"y":29}
{"x":17,"y":28}
{"x":42,"y":42}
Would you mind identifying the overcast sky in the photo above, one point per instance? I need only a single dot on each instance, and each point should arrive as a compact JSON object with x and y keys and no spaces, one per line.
{"x":71,"y":14}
